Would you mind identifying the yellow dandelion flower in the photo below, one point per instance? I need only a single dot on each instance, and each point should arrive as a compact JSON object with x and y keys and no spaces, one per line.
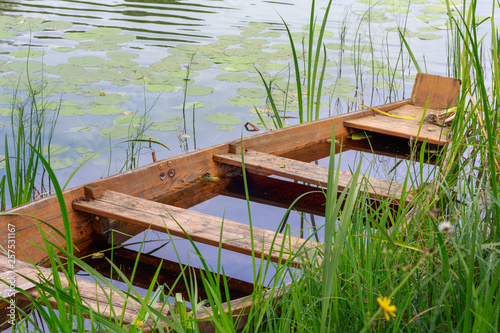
{"x":139,"y":323}
{"x":386,"y":306}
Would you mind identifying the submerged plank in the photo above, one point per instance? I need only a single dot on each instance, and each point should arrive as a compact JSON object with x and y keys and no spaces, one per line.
{"x":263,"y":163}
{"x":199,"y":227}
{"x":101,"y":299}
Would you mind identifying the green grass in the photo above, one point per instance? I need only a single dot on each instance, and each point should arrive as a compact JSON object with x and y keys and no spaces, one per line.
{"x":440,"y":280}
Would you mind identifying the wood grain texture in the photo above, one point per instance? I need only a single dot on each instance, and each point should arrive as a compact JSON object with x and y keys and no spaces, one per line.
{"x":96,"y":298}
{"x":403,"y":128}
{"x":263,"y":163}
{"x":199,"y":227}
{"x":441,"y":92}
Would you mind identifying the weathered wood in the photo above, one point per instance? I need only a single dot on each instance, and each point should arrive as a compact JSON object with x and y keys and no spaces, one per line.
{"x":263,"y":163}
{"x":199,"y":227}
{"x":168,"y":275}
{"x":100,"y":299}
{"x":403,"y":128}
{"x":438,"y":91}
{"x":303,"y":135}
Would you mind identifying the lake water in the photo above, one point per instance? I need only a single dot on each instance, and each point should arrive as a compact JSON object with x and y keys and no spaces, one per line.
{"x":185,"y":72}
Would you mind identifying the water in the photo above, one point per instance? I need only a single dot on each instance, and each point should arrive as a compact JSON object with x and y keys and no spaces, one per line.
{"x":146,"y":47}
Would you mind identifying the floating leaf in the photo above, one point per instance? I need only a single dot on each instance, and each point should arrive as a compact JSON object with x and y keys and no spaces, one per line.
{"x":162,"y":127}
{"x":116,"y":39}
{"x":201,"y":64}
{"x":98,"y":46}
{"x":10,"y":99}
{"x":131,"y":119}
{"x":222,"y":118}
{"x":57,"y":25}
{"x":69,"y":102}
{"x":174,"y":120}
{"x":252,"y":92}
{"x":80,"y":36}
{"x":79,"y":80}
{"x":7,"y":34}
{"x":54,"y":149}
{"x":90,"y":92}
{"x":159,"y":87}
{"x":62,"y":48}
{"x":65,"y":69}
{"x":199,"y":90}
{"x":27,"y":53}
{"x":120,"y":83}
{"x":77,"y":129}
{"x":87,"y":61}
{"x":274,"y":66}
{"x":430,"y":36}
{"x":105,"y":110}
{"x":388,"y":85}
{"x":427,"y":18}
{"x":70,"y":111}
{"x":226,"y":128}
{"x":117,"y":132}
{"x":5,"y":112}
{"x":434,"y":10}
{"x":57,"y":163}
{"x":105,"y":74}
{"x":105,"y":31}
{"x":119,"y":63}
{"x":122,"y":55}
{"x":162,"y":66}
{"x":26,"y":66}
{"x":233,"y":77}
{"x":111,"y":99}
{"x":2,"y":162}
{"x":177,"y":59}
{"x":82,"y":150}
{"x":190,"y":105}
{"x":234,"y":67}
{"x":137,"y":73}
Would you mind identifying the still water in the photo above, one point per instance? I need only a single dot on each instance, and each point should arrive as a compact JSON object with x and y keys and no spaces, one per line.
{"x":186,"y":74}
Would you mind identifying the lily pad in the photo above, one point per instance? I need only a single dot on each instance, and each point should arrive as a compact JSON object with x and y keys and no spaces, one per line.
{"x":66,"y":88}
{"x":225,"y":128}
{"x":54,"y":149}
{"x":190,"y":105}
{"x":7,"y":34}
{"x":222,"y":118}
{"x":82,"y":150}
{"x":10,"y":99}
{"x":122,"y":55}
{"x":434,"y":10}
{"x":5,"y":112}
{"x":80,"y":36}
{"x":177,"y":60}
{"x":199,"y":90}
{"x":117,"y":132}
{"x":119,"y":63}
{"x":245,"y":101}
{"x":387,"y":85}
{"x":26,"y":66}
{"x":27,"y":53}
{"x":201,"y":64}
{"x":111,"y":99}
{"x":77,"y":129}
{"x":162,"y":127}
{"x":65,"y":69}
{"x":117,"y":39}
{"x":162,"y":66}
{"x":130,"y":119}
{"x":159,"y":87}
{"x":57,"y":163}
{"x":106,"y":110}
{"x":137,"y":72}
{"x":70,"y":111}
{"x":234,"y":67}
{"x":105,"y":74}
{"x":233,"y":77}
{"x":430,"y":36}
{"x":80,"y":80}
{"x":91,"y":92}
{"x":427,"y":18}
{"x":174,"y":120}
{"x":98,"y":46}
{"x":57,"y":25}
{"x":62,"y":48}
{"x":252,"y":92}
{"x":87,"y":61}
{"x":105,"y":31}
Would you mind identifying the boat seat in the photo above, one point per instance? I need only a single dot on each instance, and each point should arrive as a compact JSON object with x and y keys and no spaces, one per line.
{"x":199,"y":227}
{"x":269,"y":164}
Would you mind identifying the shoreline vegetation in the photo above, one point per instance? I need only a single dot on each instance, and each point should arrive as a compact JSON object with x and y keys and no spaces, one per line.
{"x":431,"y":266}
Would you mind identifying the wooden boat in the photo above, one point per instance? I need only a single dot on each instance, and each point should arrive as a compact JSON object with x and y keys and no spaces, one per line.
{"x":157,"y":195}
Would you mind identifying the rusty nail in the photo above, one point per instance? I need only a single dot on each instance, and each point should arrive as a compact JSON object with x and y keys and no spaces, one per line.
{"x":171,"y":173}
{"x":162,"y":176}
{"x":160,"y":166}
{"x":169,"y":163}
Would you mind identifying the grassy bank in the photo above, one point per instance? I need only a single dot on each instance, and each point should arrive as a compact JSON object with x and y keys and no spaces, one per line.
{"x":431,"y":266}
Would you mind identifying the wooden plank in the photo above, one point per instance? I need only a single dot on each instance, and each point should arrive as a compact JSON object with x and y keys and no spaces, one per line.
{"x":199,"y":227}
{"x":310,"y":173}
{"x":96,"y":298}
{"x":441,"y":92}
{"x":300,"y":136}
{"x":403,"y":128}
